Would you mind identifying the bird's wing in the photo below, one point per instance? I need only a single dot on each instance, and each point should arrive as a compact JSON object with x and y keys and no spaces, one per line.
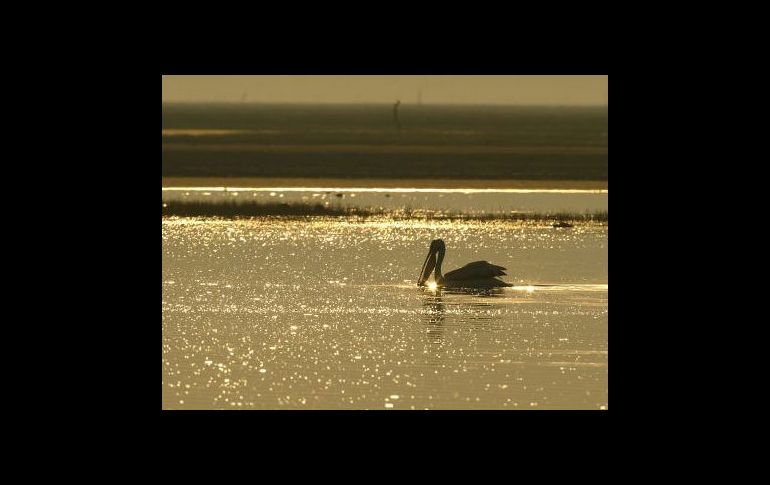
{"x":476,"y":269}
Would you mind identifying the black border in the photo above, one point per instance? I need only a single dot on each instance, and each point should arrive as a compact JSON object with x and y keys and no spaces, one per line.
{"x":565,"y":58}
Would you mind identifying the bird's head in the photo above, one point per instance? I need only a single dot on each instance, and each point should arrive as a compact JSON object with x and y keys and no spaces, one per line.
{"x":437,"y":246}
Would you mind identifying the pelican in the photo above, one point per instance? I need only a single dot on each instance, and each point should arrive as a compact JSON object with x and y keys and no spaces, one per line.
{"x":479,"y":274}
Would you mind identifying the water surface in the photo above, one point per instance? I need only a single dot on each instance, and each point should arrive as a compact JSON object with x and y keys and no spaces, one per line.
{"x":324,"y":313}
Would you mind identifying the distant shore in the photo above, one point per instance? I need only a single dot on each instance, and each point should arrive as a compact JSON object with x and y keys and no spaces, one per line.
{"x":429,"y":143}
{"x":385,"y":149}
{"x":383,"y":183}
{"x":232,"y":209}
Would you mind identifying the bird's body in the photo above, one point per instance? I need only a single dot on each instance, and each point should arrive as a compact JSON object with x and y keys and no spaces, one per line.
{"x":474,"y":275}
{"x":478,"y":274}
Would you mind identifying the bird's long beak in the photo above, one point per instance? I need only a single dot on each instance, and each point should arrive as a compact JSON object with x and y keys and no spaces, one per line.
{"x":427,"y":267}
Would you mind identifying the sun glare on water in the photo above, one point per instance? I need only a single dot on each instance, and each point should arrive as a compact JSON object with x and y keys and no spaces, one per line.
{"x":525,"y":288}
{"x":432,"y":286}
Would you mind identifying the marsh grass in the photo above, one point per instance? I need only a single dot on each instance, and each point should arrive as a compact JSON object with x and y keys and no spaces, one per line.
{"x":232,"y":209}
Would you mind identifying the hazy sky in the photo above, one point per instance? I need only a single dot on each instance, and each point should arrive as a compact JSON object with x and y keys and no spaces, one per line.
{"x":386,"y":89}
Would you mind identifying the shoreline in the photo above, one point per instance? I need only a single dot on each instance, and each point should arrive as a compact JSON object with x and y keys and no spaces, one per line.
{"x":234,"y":209}
{"x":268,"y":182}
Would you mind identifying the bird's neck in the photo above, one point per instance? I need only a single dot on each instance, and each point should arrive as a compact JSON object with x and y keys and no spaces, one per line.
{"x":437,"y":272}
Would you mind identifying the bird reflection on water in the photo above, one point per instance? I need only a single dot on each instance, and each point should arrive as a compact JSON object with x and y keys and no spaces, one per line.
{"x":473,"y":311}
{"x":434,"y":318}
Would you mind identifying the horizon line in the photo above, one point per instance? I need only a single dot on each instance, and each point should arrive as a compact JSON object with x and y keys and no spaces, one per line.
{"x":388,"y":103}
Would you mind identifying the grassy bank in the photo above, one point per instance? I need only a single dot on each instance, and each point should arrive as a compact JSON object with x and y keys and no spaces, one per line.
{"x":229,"y":209}
{"x":430,"y":183}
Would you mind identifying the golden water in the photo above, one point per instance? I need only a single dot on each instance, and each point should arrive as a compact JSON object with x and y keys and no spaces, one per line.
{"x":326,"y":314}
